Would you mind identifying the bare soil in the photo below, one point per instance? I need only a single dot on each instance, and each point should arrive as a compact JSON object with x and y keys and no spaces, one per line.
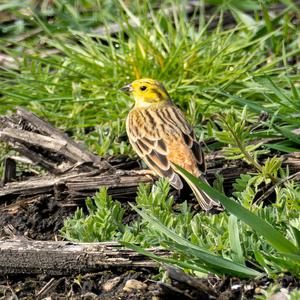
{"x":42,"y":219}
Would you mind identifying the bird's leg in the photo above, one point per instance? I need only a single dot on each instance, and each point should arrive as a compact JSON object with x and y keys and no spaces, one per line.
{"x":176,"y":194}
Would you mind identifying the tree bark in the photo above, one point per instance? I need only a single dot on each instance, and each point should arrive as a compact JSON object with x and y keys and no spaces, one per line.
{"x":45,"y":145}
{"x":75,"y":186}
{"x":66,"y":258}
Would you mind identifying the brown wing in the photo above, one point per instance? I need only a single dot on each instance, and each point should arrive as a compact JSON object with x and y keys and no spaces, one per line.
{"x":188,"y":135}
{"x":199,"y":155}
{"x":155,"y":133}
{"x":145,"y":132}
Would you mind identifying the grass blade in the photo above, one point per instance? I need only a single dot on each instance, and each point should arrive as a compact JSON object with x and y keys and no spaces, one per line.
{"x":274,"y":237}
{"x":282,"y":148}
{"x":288,"y":134}
{"x":296,"y":233}
{"x":215,"y":261}
{"x":234,"y":239}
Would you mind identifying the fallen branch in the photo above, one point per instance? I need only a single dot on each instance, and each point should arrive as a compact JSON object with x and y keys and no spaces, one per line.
{"x":75,"y":186}
{"x":65,"y":258}
{"x":45,"y":145}
{"x":267,"y":193}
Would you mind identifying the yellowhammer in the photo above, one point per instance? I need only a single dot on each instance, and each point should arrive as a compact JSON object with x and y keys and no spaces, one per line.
{"x":161,"y":136}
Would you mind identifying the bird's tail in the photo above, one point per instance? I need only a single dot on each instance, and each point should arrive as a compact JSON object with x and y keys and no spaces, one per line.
{"x":205,"y":201}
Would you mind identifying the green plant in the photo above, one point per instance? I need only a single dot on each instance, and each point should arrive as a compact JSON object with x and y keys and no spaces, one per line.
{"x":288,"y":251}
{"x":200,"y":242}
{"x":72,"y":79}
{"x":236,"y":135}
{"x":104,"y":222}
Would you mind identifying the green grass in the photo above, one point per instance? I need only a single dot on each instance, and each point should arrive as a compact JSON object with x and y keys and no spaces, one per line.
{"x":251,"y":244}
{"x":224,"y":78}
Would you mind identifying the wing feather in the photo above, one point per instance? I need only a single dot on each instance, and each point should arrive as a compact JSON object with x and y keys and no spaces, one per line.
{"x":177,"y":117}
{"x":149,"y":144}
{"x":199,"y":155}
{"x":147,"y":130}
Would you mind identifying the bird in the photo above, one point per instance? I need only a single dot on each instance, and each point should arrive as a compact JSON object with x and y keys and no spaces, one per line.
{"x":161,"y":136}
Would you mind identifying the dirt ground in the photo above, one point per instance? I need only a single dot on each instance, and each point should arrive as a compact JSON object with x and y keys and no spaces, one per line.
{"x":42,"y":219}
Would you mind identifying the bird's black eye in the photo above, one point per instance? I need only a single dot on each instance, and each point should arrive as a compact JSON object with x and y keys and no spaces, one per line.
{"x":143,"y":88}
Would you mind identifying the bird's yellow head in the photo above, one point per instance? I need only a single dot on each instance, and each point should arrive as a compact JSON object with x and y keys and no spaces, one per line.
{"x":147,"y":92}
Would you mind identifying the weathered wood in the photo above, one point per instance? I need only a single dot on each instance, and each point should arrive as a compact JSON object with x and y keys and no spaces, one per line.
{"x":75,"y":172}
{"x":73,"y":186}
{"x":9,"y":170}
{"x":188,"y":280}
{"x":45,"y":145}
{"x":65,"y":258}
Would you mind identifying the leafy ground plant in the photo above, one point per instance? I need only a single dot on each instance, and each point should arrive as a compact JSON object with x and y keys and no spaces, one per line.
{"x":202,"y":243}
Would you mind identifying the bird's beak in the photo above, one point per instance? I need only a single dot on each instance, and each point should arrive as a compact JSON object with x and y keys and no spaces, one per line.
{"x":127,"y":88}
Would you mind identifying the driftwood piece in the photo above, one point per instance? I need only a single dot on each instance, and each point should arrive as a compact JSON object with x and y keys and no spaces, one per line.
{"x":75,"y":172}
{"x":9,"y":170}
{"x":65,"y":258}
{"x":75,"y":186}
{"x":45,"y":145}
{"x":71,"y":188}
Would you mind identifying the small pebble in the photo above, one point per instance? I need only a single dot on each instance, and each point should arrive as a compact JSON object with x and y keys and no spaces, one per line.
{"x":248,"y":287}
{"x":110,"y":284}
{"x":133,"y":284}
{"x":88,"y":296}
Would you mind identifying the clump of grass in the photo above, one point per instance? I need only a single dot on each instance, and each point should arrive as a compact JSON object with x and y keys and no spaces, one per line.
{"x":206,"y":70}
